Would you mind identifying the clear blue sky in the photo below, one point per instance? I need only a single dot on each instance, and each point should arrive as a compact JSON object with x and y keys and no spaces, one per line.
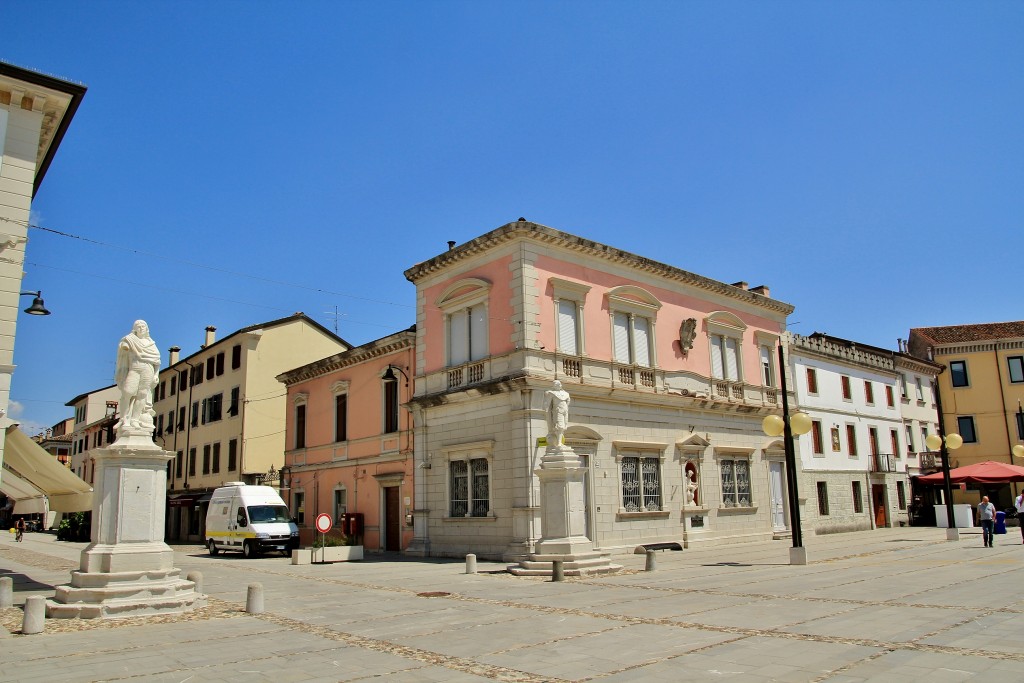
{"x":865,"y":160}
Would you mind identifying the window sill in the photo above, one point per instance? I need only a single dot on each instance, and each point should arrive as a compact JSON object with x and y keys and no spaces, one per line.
{"x":488,"y":518}
{"x":748,"y":510}
{"x":623,"y":516}
{"x":689,"y":512}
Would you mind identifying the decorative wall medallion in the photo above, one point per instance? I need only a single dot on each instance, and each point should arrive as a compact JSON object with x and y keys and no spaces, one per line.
{"x":687,"y":333}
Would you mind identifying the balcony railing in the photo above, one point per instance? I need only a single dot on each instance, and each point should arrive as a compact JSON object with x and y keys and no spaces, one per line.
{"x":594,"y":372}
{"x":883,"y":462}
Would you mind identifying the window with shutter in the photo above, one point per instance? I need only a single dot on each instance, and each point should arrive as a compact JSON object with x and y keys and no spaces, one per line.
{"x":568,"y":334}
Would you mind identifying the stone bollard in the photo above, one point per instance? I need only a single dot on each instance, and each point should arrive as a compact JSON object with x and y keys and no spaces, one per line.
{"x":34,"y":620}
{"x":557,"y":570}
{"x":471,"y":564}
{"x":197,"y":579}
{"x":6,"y":592}
{"x":651,"y":562}
{"x":254,"y":599}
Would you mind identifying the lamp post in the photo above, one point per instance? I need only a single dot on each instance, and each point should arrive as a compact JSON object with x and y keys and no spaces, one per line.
{"x":37,"y":307}
{"x":787,"y":425}
{"x":944,"y":443}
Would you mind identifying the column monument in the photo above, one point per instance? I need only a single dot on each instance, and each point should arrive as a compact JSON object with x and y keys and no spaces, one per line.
{"x":128,"y":570}
{"x":562,"y":502}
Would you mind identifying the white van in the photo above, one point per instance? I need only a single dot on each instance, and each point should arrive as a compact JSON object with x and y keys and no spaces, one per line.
{"x":250,"y":519}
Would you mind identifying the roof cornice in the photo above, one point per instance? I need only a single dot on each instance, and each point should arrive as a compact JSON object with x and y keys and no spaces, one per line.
{"x":354,"y":356}
{"x":48,"y":143}
{"x":564,"y":240}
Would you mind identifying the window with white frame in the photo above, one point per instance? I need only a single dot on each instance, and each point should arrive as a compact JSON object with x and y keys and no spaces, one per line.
{"x":910,"y":438}
{"x":725,"y":337}
{"x":299,"y":423}
{"x":920,"y":389}
{"x":634,"y":312}
{"x":340,"y":503}
{"x":469,"y":481}
{"x":340,"y":392}
{"x":766,"y":346}
{"x":640,"y":473}
{"x":735,"y":473}
{"x":569,"y":299}
{"x":464,"y":304}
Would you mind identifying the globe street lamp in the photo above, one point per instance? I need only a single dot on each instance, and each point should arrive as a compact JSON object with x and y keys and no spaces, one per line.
{"x":945,"y":444}
{"x":787,"y":425}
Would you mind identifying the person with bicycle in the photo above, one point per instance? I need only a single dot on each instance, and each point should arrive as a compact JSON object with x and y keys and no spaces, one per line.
{"x":20,"y":526}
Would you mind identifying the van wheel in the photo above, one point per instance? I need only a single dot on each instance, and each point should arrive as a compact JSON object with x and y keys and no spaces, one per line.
{"x":248,"y":550}
{"x":213,"y":547}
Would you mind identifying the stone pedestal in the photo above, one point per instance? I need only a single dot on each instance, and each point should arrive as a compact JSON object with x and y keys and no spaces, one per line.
{"x":563,"y":521}
{"x":127,"y":570}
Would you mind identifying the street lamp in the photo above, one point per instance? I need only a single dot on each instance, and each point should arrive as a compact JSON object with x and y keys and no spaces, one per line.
{"x":787,"y":425}
{"x":945,"y":444}
{"x":37,"y":307}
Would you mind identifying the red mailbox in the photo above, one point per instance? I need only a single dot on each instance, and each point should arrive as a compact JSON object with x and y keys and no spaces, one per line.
{"x":352,"y":524}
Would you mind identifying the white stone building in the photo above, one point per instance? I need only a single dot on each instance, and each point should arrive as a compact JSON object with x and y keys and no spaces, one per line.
{"x":856,"y":460}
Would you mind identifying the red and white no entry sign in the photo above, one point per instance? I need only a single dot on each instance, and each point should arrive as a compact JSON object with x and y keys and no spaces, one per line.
{"x":323,"y":522}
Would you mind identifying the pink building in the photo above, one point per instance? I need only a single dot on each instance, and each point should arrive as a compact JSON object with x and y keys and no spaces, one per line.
{"x":670,"y":375}
{"x":349,"y":442}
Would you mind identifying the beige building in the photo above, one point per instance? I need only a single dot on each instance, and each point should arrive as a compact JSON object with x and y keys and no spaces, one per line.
{"x":981,"y":391}
{"x":222,"y":413}
{"x":95,"y":415}
{"x":35,"y":112}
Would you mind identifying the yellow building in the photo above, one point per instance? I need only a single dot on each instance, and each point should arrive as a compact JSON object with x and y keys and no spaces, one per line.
{"x":981,"y":388}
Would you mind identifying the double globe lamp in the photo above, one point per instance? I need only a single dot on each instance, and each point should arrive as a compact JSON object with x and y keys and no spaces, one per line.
{"x":787,"y":425}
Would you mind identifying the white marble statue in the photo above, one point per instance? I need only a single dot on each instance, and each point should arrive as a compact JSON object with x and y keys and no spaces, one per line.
{"x":556,"y":409}
{"x":138,"y":367}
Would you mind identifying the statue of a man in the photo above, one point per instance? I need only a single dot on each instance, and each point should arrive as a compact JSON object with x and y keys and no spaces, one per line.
{"x":138,"y":367}
{"x":556,"y":409}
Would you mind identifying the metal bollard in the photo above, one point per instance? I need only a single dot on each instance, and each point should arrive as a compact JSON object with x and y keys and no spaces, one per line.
{"x":254,"y":599}
{"x":6,"y":592}
{"x":34,"y":620}
{"x":651,"y":563}
{"x":471,"y":564}
{"x":197,"y":579}
{"x":557,"y":570}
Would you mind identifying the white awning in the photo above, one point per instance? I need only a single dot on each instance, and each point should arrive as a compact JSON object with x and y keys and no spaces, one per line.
{"x":66,"y":492}
{"x":26,"y":497}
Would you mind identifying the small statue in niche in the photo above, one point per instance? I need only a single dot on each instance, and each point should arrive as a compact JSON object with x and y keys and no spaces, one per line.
{"x":687,"y":333}
{"x":691,"y":484}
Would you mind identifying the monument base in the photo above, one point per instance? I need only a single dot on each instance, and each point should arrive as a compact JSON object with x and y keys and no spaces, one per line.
{"x":128,"y":570}
{"x":579,"y":564}
{"x":99,"y":595}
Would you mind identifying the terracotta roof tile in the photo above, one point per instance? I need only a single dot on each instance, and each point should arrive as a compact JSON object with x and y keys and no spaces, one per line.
{"x":954,"y":334}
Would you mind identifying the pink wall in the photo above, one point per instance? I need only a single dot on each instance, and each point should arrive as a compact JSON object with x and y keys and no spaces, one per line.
{"x":675,"y":308}
{"x":500,"y":311}
{"x":365,"y":440}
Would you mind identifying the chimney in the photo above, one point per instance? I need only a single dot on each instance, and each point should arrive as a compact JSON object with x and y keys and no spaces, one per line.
{"x":172,"y":355}
{"x":451,"y":244}
{"x":211,"y":336}
{"x":741,"y":284}
{"x":762,"y":290}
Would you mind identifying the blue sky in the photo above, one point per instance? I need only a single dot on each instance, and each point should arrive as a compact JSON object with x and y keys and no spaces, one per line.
{"x":243,"y":161}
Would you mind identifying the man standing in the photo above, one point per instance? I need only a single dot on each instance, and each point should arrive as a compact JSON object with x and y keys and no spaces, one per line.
{"x":987,"y":518}
{"x":1019,"y":504}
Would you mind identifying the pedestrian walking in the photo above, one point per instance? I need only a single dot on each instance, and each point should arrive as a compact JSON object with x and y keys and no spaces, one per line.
{"x":987,"y":518}
{"x":1019,"y":504}
{"x":20,"y":526}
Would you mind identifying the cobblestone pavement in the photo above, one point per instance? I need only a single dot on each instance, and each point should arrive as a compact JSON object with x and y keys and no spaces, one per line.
{"x":886,"y":605}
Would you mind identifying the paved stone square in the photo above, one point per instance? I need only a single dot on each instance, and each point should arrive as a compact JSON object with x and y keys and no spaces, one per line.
{"x":886,"y":605}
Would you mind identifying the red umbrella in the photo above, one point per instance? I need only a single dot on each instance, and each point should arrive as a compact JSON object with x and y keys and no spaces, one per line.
{"x":987,"y":472}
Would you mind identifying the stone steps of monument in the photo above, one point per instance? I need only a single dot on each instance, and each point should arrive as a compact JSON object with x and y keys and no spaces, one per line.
{"x":112,"y":593}
{"x":96,"y":579}
{"x":539,"y":569}
{"x":124,"y":608}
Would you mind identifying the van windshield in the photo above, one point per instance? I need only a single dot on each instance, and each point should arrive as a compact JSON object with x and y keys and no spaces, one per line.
{"x":268,"y":513}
